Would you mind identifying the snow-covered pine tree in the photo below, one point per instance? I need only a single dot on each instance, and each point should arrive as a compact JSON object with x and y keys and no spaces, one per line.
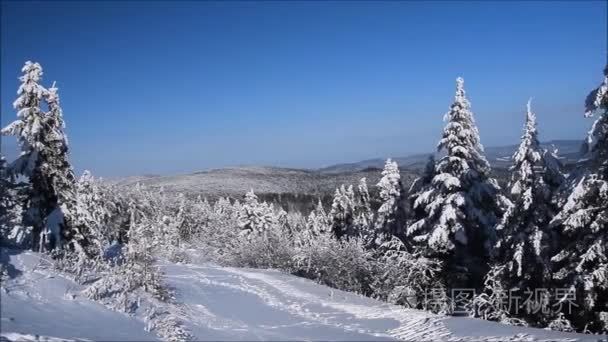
{"x":28,"y":130}
{"x":582,"y":264}
{"x":320,"y":210}
{"x":187,"y":223}
{"x":222,"y":205}
{"x":202,"y":205}
{"x":11,"y":231}
{"x":364,"y":216}
{"x":60,"y":174}
{"x":140,"y":270}
{"x":29,"y":125}
{"x":283,"y":221}
{"x":317,"y":222}
{"x":94,"y":211}
{"x":201,"y":214}
{"x":342,"y":212}
{"x":255,"y":218}
{"x":526,"y":243}
{"x":408,"y":279}
{"x":457,"y":211}
{"x":390,"y":219}
{"x":234,"y":208}
{"x":43,"y":160}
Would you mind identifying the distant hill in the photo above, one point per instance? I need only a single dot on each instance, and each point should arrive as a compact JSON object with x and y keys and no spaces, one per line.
{"x":498,"y":156}
{"x":236,"y":181}
{"x":300,"y":188}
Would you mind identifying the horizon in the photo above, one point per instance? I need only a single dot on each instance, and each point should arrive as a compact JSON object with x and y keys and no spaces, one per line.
{"x":321,"y":168}
{"x":240,"y":83}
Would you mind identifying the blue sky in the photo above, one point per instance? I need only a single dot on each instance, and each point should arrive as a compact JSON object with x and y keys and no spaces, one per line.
{"x":172,"y":87}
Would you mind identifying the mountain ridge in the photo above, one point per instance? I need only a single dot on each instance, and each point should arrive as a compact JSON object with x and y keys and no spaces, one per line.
{"x":316,"y":183}
{"x":498,"y":156}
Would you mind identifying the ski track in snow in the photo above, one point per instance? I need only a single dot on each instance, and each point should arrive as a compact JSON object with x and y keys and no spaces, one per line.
{"x":228,"y":304}
{"x":305,"y":304}
{"x":412,"y":324}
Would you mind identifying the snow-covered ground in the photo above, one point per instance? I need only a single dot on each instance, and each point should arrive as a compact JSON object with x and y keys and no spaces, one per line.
{"x":36,"y":301}
{"x":220,"y":303}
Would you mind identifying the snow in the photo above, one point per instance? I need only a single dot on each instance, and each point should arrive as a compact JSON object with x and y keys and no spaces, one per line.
{"x":223,"y":303}
{"x":26,"y":337}
{"x":36,"y":301}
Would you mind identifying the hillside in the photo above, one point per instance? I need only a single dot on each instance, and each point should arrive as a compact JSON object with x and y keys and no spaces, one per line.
{"x":274,"y":181}
{"x":235,"y":182}
{"x":223,"y":303}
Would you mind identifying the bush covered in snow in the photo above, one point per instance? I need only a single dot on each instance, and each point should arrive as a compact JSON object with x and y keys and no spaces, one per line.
{"x":407,"y":279}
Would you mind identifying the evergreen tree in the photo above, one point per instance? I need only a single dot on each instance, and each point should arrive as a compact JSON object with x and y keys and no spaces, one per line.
{"x":28,"y":129}
{"x":94,"y":211}
{"x":457,"y":211}
{"x":318,"y":222}
{"x":342,"y":212}
{"x":222,"y":205}
{"x":255,"y":218}
{"x":203,"y":205}
{"x":43,"y":160}
{"x":11,"y":231}
{"x":582,"y":264}
{"x":526,"y":243}
{"x":364,"y":217}
{"x":59,"y":173}
{"x":140,"y":267}
{"x":186,"y":223}
{"x":391,"y":215}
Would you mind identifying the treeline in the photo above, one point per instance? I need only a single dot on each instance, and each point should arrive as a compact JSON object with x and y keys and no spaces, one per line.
{"x":540,"y":238}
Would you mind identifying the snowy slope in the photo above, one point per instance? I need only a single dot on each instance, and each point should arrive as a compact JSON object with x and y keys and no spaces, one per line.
{"x":219,"y":303}
{"x":35,"y":301}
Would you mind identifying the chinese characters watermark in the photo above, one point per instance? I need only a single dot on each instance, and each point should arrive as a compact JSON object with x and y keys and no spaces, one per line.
{"x":531,"y":301}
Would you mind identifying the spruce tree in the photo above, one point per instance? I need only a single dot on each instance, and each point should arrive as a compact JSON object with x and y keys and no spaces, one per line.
{"x":28,"y":128}
{"x":255,"y":218}
{"x":61,"y":175}
{"x":526,"y":242}
{"x":582,"y":264}
{"x":318,"y":222}
{"x":391,"y":215}
{"x":455,"y":213}
{"x":94,"y":211}
{"x":364,"y":216}
{"x":44,"y":161}
{"x":8,"y":205}
{"x":342,"y":212}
